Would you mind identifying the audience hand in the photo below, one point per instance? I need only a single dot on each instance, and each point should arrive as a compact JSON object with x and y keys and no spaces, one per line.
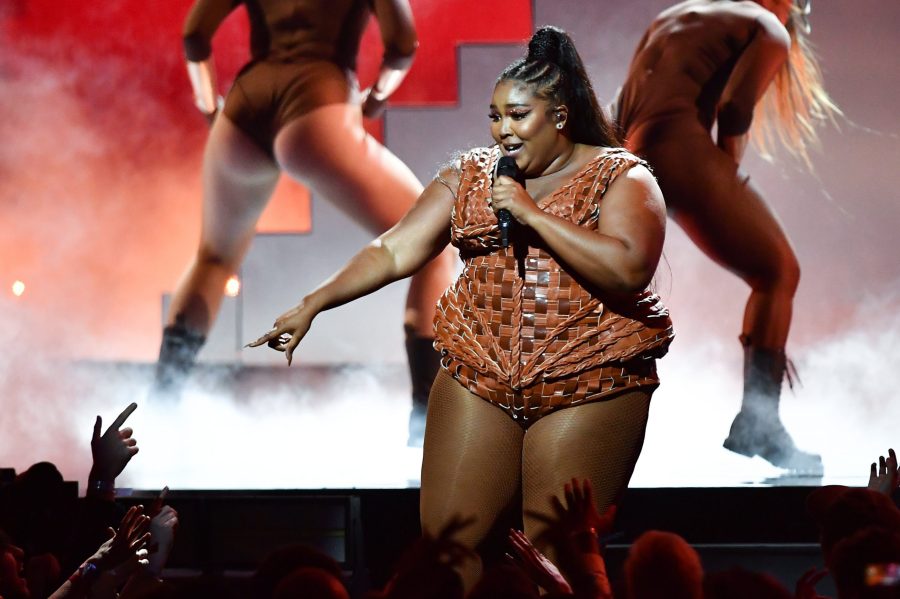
{"x":429,"y":563}
{"x":163,"y":525}
{"x":885,"y":476}
{"x":578,"y":516}
{"x":574,"y":530}
{"x":806,"y":586}
{"x":113,"y":449}
{"x":540,"y":570}
{"x":129,"y":542}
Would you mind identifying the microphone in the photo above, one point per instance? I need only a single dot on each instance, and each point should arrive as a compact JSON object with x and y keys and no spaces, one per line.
{"x":506,"y":167}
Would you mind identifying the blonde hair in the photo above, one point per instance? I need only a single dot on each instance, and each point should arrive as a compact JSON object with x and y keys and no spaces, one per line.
{"x":797,"y":103}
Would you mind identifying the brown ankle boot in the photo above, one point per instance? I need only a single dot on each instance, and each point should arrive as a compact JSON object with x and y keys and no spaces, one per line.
{"x":757,"y":429}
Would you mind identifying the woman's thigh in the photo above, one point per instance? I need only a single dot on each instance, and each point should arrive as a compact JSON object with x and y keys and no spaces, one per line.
{"x":472,"y":459}
{"x":238,"y":180}
{"x":599,"y":441}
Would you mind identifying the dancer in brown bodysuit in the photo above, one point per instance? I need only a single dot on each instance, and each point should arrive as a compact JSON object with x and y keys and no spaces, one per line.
{"x":709,"y":62}
{"x":548,"y":345}
{"x":296,"y":108}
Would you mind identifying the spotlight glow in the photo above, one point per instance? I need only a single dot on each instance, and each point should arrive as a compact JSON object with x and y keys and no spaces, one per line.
{"x":233,"y":286}
{"x":18,"y":288}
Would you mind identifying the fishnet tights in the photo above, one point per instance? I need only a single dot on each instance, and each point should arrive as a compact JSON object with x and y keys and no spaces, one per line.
{"x":478,"y":462}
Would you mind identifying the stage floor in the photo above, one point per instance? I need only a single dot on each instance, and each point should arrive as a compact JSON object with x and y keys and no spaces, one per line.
{"x":308,"y":427}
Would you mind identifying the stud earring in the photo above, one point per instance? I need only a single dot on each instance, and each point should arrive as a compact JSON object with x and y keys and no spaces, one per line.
{"x":559,"y":125}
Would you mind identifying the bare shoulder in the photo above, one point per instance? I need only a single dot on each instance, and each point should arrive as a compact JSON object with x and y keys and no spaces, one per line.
{"x":763,"y":20}
{"x":636,"y":185}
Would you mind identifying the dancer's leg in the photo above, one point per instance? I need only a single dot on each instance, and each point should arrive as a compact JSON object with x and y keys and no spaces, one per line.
{"x":600,"y":441}
{"x":729,"y":220}
{"x":238,"y":179}
{"x":329,"y":150}
{"x":471,"y":465}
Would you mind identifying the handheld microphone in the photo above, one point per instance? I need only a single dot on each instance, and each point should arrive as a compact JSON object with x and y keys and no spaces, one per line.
{"x":506,"y":167}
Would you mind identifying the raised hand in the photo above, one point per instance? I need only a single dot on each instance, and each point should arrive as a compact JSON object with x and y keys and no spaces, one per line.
{"x":127,"y":543}
{"x":579,"y":514}
{"x":288,"y":330}
{"x":806,"y":585}
{"x":113,"y":449}
{"x":535,"y":565}
{"x":885,"y":476}
{"x":163,"y":525}
{"x":428,"y":562}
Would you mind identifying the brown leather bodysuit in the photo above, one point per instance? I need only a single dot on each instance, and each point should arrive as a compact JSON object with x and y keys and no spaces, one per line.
{"x":303,"y":57}
{"x":535,"y":343}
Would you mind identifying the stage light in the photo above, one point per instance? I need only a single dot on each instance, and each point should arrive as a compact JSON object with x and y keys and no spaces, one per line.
{"x":233,"y":286}
{"x":18,"y":288}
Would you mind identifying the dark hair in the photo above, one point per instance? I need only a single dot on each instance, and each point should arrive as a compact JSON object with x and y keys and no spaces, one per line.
{"x":555,"y":70}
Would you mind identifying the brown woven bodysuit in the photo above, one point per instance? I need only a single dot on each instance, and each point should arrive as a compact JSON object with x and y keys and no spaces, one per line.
{"x":532,"y":344}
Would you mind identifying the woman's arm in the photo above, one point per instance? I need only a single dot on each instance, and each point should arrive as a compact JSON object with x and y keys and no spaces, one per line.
{"x":202,"y":22}
{"x":398,"y":34}
{"x":752,"y":75}
{"x":622,"y":254}
{"x":410,"y":244}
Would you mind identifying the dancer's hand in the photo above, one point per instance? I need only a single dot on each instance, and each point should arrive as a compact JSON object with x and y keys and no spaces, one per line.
{"x":535,"y":565}
{"x":288,"y":330}
{"x":507,"y":194}
{"x":885,"y":476}
{"x":372,"y":107}
{"x":113,"y":449}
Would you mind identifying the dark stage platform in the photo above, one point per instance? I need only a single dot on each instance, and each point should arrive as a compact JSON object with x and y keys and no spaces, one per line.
{"x":227,"y":532}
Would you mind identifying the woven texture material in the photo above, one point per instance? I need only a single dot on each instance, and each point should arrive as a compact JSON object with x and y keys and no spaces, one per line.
{"x":534,"y":343}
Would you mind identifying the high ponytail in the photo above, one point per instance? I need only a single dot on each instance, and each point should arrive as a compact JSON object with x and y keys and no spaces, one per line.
{"x":555,"y":70}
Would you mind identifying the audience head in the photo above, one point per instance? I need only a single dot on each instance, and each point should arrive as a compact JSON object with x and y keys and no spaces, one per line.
{"x":866,"y":564}
{"x":663,"y":565}
{"x":310,"y":583}
{"x":842,"y":511}
{"x":284,"y":561}
{"x":12,"y":584}
{"x":738,"y":583}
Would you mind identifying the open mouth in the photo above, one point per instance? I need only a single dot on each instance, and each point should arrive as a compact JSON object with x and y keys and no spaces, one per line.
{"x":512,"y":149}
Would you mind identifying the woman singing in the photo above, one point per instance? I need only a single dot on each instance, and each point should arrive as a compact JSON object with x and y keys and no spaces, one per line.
{"x":548,"y":346}
{"x":705,"y":63}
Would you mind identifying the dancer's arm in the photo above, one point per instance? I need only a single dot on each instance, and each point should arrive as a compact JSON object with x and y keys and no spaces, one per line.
{"x":419,"y":236}
{"x":398,"y":34}
{"x":755,"y":69}
{"x":622,"y":254}
{"x":202,"y":21}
